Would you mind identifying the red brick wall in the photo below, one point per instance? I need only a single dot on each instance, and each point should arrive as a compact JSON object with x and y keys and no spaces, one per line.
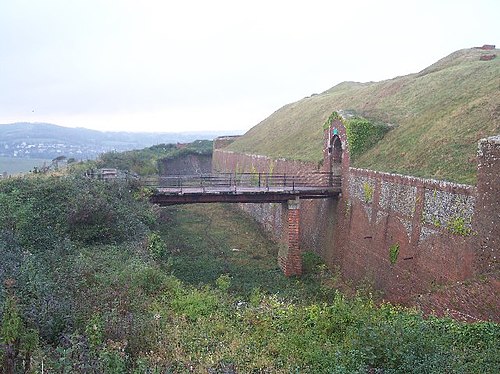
{"x":224,"y":141}
{"x":487,"y":222}
{"x":289,"y":258}
{"x":487,"y":57}
{"x":445,"y":232}
{"x":413,"y":214}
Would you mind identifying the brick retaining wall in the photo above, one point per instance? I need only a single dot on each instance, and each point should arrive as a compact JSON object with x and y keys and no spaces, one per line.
{"x":443,"y":232}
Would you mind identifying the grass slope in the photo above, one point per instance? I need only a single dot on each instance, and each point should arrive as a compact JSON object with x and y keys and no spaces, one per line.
{"x":439,"y":115}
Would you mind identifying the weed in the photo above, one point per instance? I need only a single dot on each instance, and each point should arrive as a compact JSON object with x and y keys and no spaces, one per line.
{"x":223,"y":282}
{"x":458,"y":225}
{"x":156,"y":246}
{"x":436,"y":221}
{"x":368,"y":192}
{"x":393,"y":253}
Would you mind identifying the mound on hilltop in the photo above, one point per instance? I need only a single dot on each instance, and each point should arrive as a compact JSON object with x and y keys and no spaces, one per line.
{"x":438,"y":114}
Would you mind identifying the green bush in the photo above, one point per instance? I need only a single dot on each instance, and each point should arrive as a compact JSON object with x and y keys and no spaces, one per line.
{"x":196,"y":303}
{"x":156,"y":246}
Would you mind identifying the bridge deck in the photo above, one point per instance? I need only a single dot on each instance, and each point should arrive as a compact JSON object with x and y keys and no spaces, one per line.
{"x":242,"y":188}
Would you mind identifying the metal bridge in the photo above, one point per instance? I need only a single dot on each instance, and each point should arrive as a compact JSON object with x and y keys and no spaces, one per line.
{"x":241,"y":187}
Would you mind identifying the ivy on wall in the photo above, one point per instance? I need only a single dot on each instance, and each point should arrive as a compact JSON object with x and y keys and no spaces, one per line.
{"x":363,"y":134}
{"x":330,"y":119}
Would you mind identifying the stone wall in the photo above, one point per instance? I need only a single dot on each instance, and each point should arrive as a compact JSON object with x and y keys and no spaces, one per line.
{"x":405,"y":235}
{"x":189,"y":164}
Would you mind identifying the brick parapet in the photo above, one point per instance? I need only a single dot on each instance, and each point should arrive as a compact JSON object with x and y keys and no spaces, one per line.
{"x":416,"y":181}
{"x":224,"y":141}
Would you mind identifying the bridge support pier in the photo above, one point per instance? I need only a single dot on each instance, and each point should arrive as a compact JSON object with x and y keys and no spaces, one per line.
{"x":289,"y":256}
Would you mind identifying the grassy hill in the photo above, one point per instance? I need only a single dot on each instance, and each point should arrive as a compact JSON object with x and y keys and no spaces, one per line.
{"x":438,"y":114}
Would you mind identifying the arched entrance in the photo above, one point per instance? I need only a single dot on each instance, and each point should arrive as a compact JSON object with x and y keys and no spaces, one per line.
{"x":335,"y":156}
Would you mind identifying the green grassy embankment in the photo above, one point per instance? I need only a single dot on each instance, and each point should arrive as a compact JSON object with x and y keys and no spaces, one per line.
{"x":438,"y":114}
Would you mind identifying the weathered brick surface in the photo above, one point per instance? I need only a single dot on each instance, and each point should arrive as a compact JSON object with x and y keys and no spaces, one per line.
{"x":224,"y":141}
{"x":445,"y":232}
{"x":186,"y":165}
{"x":397,"y":214}
{"x":487,"y":57}
{"x":487,"y":217}
{"x":292,"y":263}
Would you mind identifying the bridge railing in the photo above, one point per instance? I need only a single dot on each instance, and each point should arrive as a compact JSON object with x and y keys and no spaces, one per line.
{"x":265,"y":181}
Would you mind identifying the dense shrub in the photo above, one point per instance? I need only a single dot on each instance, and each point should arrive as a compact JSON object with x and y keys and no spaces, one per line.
{"x":44,"y":220}
{"x":363,"y":134}
{"x":42,"y":212}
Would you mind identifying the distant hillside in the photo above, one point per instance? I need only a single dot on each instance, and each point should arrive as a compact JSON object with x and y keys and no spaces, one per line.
{"x":43,"y":140}
{"x":438,"y":115}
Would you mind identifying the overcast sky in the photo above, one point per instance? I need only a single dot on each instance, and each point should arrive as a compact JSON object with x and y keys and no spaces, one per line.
{"x":186,"y":65}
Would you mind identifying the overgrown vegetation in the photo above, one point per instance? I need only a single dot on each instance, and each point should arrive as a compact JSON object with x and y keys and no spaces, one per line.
{"x":332,"y":117}
{"x":393,"y":253}
{"x":368,"y":191}
{"x":145,"y":161}
{"x":440,"y":115}
{"x":94,"y":280}
{"x":362,"y":135}
{"x":458,"y":225}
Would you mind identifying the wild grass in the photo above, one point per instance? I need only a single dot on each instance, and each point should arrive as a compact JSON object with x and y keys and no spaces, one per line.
{"x":439,"y":115}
